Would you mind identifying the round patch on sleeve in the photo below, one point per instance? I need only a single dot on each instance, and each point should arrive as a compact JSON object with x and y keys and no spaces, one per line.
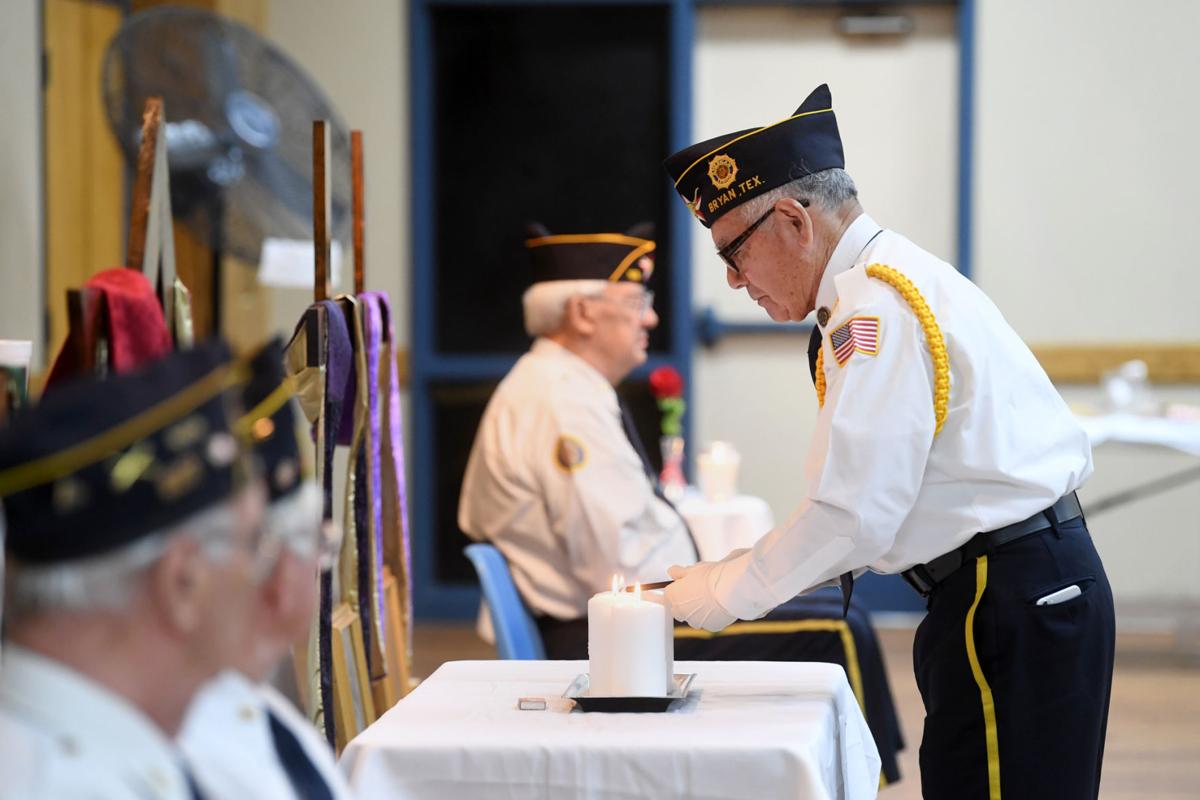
{"x":569,"y":454}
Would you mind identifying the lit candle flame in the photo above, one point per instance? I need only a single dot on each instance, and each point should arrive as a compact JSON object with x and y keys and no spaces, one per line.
{"x":614,"y":584}
{"x":637,"y":591}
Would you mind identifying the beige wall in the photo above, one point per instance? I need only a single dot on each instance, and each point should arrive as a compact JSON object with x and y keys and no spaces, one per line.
{"x":755,"y":65}
{"x":20,"y":176}
{"x":1086,"y":167}
{"x":1083,"y":227}
{"x":358,"y":54}
{"x":896,"y":100}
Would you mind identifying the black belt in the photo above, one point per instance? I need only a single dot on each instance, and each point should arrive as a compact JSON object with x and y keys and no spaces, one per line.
{"x":924,"y":578}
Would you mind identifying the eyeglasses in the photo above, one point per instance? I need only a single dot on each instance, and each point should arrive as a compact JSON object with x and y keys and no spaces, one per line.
{"x":726,"y":252}
{"x":321,"y":541}
{"x":639,"y":304}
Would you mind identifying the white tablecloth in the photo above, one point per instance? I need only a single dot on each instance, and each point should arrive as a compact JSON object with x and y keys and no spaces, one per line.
{"x":728,"y":525}
{"x":1182,"y":435}
{"x":748,"y":730}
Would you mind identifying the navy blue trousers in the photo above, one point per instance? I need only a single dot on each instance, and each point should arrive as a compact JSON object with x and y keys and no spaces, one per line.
{"x":808,"y":628}
{"x":1016,"y":694}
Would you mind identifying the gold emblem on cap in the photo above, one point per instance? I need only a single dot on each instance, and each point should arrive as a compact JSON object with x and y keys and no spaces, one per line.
{"x":131,"y":466}
{"x":822,"y":316}
{"x":722,"y":171}
{"x":184,"y":435}
{"x":694,"y":204}
{"x":175,"y":480}
{"x":70,"y":494}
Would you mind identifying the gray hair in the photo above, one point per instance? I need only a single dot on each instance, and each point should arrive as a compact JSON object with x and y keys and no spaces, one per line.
{"x":106,"y":582}
{"x":830,"y":189}
{"x":295,"y":521}
{"x":546,"y":302}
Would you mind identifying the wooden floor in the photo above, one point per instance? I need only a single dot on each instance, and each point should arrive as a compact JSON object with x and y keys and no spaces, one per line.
{"x":1153,"y":750}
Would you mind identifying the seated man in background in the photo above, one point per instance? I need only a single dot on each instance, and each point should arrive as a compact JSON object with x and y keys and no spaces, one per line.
{"x":132,"y":533}
{"x":557,"y":479}
{"x":241,"y":737}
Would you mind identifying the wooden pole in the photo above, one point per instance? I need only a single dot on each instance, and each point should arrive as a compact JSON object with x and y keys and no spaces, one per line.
{"x":151,"y":245}
{"x":321,"y":208}
{"x":139,"y":207}
{"x":356,"y":164}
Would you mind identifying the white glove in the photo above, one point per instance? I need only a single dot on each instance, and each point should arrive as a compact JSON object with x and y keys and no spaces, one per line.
{"x":692,"y":599}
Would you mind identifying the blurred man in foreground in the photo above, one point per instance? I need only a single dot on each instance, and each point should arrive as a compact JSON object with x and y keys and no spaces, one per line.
{"x":132,"y":534}
{"x":241,"y":737}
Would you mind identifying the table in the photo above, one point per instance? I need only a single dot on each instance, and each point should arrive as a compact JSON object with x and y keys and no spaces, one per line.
{"x":1177,"y":434}
{"x":720,"y":527}
{"x":1138,"y":504}
{"x":759,"y":730}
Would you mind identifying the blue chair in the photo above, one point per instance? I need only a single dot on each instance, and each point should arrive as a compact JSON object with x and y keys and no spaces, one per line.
{"x":517,"y":635}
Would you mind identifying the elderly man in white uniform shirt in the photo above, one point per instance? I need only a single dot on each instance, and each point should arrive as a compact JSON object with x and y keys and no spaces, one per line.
{"x":558,"y":479}
{"x":942,"y":452}
{"x":241,"y":737}
{"x":131,"y":536}
{"x":553,"y":481}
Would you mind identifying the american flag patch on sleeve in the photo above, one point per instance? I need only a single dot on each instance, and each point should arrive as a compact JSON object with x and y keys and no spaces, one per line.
{"x":859,"y":334}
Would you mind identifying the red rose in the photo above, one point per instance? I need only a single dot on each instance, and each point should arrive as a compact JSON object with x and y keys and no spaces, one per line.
{"x":666,"y":382}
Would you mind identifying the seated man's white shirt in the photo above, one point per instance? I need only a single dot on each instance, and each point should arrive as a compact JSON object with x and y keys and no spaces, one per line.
{"x":226,"y":739}
{"x":555,"y":484}
{"x":64,"y":736}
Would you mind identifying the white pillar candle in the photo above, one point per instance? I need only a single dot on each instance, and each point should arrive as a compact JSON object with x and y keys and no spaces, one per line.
{"x":640,"y":655}
{"x":718,"y":467}
{"x":660,"y":597}
{"x":630,"y":649}
{"x":601,"y":641}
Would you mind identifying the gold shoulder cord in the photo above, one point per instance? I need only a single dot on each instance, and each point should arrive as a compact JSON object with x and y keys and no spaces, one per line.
{"x":933,"y":340}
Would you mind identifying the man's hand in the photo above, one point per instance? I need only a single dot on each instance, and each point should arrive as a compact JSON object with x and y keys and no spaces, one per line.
{"x":691,"y":596}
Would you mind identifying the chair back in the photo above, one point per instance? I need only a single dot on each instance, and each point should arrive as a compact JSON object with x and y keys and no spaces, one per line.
{"x":517,"y":635}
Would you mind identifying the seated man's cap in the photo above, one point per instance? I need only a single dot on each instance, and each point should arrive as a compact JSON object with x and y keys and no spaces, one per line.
{"x":102,"y":462}
{"x":720,"y":174}
{"x":269,"y":422}
{"x":590,"y":256}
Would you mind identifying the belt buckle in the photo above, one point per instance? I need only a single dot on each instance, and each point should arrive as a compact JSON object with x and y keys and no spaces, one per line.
{"x":920,"y":583}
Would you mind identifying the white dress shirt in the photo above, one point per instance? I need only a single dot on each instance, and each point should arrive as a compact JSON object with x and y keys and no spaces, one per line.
{"x":226,"y":739}
{"x":64,"y":736}
{"x":566,"y":519}
{"x":882,"y":491}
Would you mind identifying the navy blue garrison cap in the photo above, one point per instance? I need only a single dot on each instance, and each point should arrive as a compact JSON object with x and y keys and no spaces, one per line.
{"x":269,"y":423}
{"x":104,"y":462}
{"x":717,"y":175}
{"x":590,"y":256}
